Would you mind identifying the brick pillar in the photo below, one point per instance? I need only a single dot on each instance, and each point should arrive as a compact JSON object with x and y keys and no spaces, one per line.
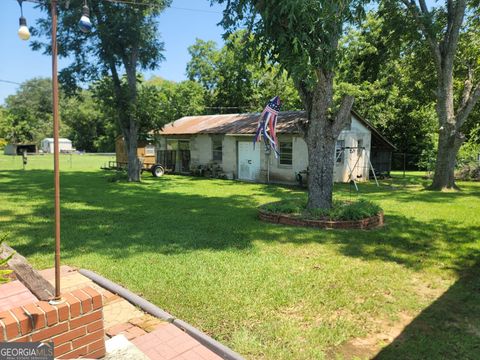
{"x":75,"y":327}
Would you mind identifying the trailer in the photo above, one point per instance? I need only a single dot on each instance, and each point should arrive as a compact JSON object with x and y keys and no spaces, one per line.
{"x":146,"y":152}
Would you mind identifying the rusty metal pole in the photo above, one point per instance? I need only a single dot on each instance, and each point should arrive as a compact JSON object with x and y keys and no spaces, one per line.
{"x":56,"y":150}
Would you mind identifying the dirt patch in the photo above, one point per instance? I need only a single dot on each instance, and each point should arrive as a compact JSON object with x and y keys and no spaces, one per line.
{"x":368,"y":347}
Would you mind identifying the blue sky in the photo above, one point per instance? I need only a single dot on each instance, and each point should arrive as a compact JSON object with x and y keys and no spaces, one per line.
{"x":178,"y":28}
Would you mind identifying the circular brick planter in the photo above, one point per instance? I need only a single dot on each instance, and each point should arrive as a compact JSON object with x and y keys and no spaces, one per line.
{"x":285,"y":219}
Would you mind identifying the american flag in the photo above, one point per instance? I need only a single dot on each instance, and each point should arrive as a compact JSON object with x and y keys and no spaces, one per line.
{"x":267,"y":125}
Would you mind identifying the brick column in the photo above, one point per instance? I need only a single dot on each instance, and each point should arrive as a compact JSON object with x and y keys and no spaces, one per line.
{"x":75,"y":326}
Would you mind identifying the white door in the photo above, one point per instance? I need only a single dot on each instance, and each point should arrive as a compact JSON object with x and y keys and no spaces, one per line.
{"x":248,"y":160}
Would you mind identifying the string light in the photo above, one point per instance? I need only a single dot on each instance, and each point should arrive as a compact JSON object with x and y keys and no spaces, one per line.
{"x":85,"y":24}
{"x":23,"y":32}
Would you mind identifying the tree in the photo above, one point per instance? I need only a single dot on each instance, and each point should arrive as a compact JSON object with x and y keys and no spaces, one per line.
{"x":442,"y":30}
{"x":176,"y":100}
{"x":90,"y":128}
{"x":303,"y":37}
{"x":148,"y":110}
{"x":235,"y":79}
{"x":28,"y":115}
{"x":124,"y":39}
{"x":391,"y":83}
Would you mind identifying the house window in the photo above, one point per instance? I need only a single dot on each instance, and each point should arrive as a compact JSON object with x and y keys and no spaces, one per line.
{"x":348,"y":127}
{"x":149,"y":150}
{"x":286,"y":157}
{"x":217,"y":149}
{"x":360,"y":147}
{"x":339,"y":151}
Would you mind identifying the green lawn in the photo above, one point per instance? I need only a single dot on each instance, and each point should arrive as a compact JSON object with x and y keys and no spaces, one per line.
{"x":195,"y":248}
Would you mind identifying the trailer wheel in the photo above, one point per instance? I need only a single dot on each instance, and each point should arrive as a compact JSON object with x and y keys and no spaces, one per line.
{"x":157,"y":171}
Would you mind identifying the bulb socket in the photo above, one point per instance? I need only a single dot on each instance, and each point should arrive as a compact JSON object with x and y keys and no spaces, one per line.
{"x":86,"y":11}
{"x":22,"y":21}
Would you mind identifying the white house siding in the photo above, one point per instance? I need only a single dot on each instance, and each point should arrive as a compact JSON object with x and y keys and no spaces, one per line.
{"x":201,"y":154}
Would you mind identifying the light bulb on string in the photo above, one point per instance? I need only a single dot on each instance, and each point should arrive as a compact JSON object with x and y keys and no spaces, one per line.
{"x":85,"y":24}
{"x":23,"y":32}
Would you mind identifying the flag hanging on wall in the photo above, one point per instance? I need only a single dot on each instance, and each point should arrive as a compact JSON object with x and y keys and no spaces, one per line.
{"x":267,"y":125}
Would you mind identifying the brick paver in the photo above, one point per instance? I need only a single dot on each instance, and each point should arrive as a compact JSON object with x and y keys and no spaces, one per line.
{"x":168,"y":342}
{"x":158,"y":340}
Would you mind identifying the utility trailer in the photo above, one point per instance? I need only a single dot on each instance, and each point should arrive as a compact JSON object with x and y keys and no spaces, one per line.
{"x":146,"y":152}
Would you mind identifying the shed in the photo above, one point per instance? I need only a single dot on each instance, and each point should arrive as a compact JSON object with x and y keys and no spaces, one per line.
{"x":65,"y":145}
{"x":19,"y":149}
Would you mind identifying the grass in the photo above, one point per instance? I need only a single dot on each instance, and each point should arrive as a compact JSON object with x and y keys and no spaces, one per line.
{"x":195,"y":248}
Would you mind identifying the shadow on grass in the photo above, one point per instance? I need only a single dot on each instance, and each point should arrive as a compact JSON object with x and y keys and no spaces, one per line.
{"x":166,"y":216}
{"x":447,"y":329}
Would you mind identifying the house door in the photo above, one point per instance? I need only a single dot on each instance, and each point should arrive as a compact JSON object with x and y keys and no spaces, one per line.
{"x":248,"y":161}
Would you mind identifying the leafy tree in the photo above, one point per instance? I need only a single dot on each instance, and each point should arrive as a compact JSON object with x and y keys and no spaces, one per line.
{"x":124,"y":40}
{"x":148,"y":111}
{"x":235,"y":79}
{"x":28,"y":115}
{"x":443,"y":31}
{"x":303,"y":37}
{"x":387,"y":76}
{"x":178,"y":99}
{"x":90,"y":128}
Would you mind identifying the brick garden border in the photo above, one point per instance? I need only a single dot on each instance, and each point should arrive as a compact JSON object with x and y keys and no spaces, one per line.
{"x":285,"y":219}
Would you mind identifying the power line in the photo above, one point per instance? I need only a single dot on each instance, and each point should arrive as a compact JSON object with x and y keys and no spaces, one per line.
{"x":10,"y":82}
{"x":134,"y":2}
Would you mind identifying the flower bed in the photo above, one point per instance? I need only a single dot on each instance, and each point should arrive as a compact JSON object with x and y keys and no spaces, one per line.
{"x":343,"y":215}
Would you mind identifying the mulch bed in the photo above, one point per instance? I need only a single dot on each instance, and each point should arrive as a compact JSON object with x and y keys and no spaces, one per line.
{"x":285,"y":219}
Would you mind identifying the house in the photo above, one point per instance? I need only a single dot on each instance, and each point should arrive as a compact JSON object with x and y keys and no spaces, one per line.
{"x":19,"y":148}
{"x":65,"y":145}
{"x":227,"y":141}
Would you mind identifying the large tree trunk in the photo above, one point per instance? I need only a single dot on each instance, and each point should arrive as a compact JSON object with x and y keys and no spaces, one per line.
{"x":131,"y":144}
{"x":449,"y":143}
{"x":321,"y":136}
{"x":134,"y":164}
{"x":321,"y":153}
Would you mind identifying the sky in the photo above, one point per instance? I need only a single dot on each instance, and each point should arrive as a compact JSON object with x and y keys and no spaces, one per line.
{"x":179,"y":26}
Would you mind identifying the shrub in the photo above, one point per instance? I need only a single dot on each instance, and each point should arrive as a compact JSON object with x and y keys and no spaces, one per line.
{"x":341,"y":210}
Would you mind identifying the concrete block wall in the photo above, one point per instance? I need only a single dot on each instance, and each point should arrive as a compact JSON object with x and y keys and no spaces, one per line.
{"x":75,"y":326}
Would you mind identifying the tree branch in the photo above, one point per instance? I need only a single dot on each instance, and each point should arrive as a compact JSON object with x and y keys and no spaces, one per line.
{"x":343,"y":114}
{"x":466,"y":108}
{"x":307,"y":98}
{"x":421,"y":16}
{"x":455,"y":15}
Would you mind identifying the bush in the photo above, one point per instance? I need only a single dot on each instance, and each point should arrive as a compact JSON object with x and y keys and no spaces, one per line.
{"x":341,"y":210}
{"x":468,"y":172}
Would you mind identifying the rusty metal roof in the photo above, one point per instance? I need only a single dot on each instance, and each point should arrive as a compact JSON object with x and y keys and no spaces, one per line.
{"x":231,"y":124}
{"x":246,"y":124}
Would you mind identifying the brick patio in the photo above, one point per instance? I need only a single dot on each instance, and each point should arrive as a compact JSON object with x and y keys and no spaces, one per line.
{"x":158,"y":340}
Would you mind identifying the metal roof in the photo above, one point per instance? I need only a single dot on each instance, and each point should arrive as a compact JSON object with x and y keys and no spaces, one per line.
{"x":246,"y":124}
{"x":230,"y":124}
